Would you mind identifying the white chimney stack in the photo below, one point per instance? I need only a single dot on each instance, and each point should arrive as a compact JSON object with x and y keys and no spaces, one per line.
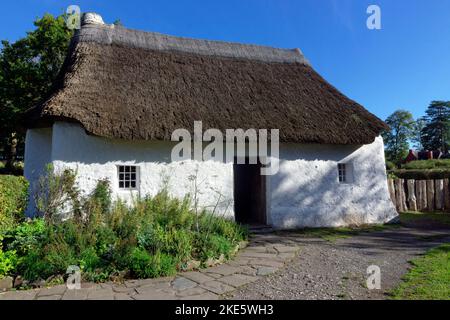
{"x":91,"y":18}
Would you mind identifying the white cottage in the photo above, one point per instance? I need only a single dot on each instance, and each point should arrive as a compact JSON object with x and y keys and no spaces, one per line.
{"x":122,"y":93}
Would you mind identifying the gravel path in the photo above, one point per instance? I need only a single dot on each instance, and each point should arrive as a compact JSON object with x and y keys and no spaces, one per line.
{"x":326,"y":270}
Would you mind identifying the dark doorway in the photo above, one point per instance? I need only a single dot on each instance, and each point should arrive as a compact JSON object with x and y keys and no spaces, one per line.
{"x":249,"y":194}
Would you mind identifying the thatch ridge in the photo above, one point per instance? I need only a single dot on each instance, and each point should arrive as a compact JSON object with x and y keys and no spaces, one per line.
{"x":130,"y":92}
{"x":117,"y":35}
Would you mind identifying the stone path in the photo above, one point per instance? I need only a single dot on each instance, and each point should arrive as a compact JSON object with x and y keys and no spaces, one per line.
{"x":266,"y":254}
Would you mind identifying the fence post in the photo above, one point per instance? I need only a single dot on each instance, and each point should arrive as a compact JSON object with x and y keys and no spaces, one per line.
{"x":430,"y":195}
{"x":439,"y":194}
{"x":412,"y":203}
{"x":421,"y":200}
{"x":391,"y":189}
{"x":400,"y":195}
{"x":447,"y":195}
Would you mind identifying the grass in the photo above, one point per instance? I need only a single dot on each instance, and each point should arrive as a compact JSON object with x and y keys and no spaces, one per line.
{"x":428,"y":164}
{"x":428,"y":279}
{"x":441,"y":218}
{"x":334,"y":234}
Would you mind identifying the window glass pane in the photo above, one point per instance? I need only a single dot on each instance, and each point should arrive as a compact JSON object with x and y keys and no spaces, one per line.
{"x":133,"y":169}
{"x":121,"y":176}
{"x":121,"y":169}
{"x":127,"y":184}
{"x":133,"y":184}
{"x":127,"y":169}
{"x":127,"y":176}
{"x":120,"y":184}
{"x":133,"y":176}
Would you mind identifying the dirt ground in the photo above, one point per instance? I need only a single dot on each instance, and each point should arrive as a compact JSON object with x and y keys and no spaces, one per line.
{"x":338,"y":270}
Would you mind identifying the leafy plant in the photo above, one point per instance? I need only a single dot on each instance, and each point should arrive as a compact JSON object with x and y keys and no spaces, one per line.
{"x":155,"y":236}
{"x":13,"y":200}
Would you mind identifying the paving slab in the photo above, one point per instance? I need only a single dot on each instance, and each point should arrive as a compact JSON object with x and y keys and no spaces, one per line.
{"x":191,"y":292}
{"x":155,"y":295}
{"x":181,"y":283}
{"x":19,"y":295}
{"x":53,"y":297}
{"x":238,"y":280}
{"x":80,"y":294}
{"x":56,"y":290}
{"x":198,"y":277}
{"x":217,"y":287}
{"x":224,"y":269}
{"x":101,"y":294}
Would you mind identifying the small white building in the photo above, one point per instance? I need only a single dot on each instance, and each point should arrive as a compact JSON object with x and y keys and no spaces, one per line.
{"x":121,"y":94}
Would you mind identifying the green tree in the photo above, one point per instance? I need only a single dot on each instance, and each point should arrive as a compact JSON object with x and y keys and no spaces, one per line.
{"x":436,"y":133}
{"x":401,"y":124}
{"x":417,"y":133}
{"x":28,"y":68}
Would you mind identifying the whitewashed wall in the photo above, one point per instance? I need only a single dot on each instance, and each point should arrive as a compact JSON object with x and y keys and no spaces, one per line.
{"x":38,"y":151}
{"x":304,"y":193}
{"x":95,"y":158}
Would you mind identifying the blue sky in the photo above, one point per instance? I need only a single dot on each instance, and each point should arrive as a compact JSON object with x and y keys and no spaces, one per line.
{"x":406,"y":64}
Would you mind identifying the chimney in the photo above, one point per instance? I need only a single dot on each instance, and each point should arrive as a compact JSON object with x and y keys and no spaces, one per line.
{"x":91,"y":18}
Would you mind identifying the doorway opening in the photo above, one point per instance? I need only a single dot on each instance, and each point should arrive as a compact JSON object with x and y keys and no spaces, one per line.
{"x":249,"y":194}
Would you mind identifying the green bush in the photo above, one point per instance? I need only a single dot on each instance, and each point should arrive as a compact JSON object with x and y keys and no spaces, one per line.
{"x":390,"y":165}
{"x":422,"y":174}
{"x":13,"y":200}
{"x":212,"y":246}
{"x":26,"y":236}
{"x":8,"y":262}
{"x":155,"y":236}
{"x":428,"y":164}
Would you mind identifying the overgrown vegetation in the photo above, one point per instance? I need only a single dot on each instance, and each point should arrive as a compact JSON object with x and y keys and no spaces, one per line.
{"x":429,"y":277}
{"x":13,"y":199}
{"x":110,"y":240}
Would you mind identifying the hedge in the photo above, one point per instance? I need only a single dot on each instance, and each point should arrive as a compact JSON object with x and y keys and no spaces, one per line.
{"x":13,"y":199}
{"x":429,"y":174}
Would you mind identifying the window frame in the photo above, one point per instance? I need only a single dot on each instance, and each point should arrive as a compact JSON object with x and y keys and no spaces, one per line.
{"x":136,"y":172}
{"x":343,"y":173}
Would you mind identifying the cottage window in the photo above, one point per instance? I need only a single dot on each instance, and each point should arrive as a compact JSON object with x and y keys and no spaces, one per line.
{"x":128,"y":177}
{"x":342,"y":172}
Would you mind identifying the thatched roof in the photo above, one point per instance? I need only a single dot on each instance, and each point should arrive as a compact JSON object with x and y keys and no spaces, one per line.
{"x":128,"y":84}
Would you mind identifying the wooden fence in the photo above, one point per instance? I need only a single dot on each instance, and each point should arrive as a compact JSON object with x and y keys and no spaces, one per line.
{"x":420,"y":195}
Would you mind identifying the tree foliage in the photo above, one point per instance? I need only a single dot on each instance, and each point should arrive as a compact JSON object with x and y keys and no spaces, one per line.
{"x":402,"y":126}
{"x":436,"y":132}
{"x":27,"y":69}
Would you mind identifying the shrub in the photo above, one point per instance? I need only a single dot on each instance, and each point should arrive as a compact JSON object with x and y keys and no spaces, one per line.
{"x":428,"y":164}
{"x":57,"y":194}
{"x":13,"y":200}
{"x":8,"y":262}
{"x":212,"y":246}
{"x":154,"y":237}
{"x":390,"y":165}
{"x":422,"y":174}
{"x":26,"y":236}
